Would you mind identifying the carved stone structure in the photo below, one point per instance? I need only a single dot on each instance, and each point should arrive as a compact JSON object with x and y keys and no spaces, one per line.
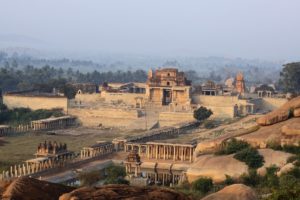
{"x":51,"y":149}
{"x":210,"y":88}
{"x":133,"y":163}
{"x":168,"y":86}
{"x":101,"y":148}
{"x":163,"y":151}
{"x":240,"y":83}
{"x":53,"y":123}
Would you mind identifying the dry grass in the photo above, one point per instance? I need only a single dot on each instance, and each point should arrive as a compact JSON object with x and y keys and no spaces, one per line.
{"x":16,"y":149}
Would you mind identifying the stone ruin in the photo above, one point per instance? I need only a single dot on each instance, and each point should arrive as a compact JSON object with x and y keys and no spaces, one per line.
{"x":49,"y":148}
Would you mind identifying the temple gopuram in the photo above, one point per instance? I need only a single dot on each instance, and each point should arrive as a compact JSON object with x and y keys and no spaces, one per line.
{"x":168,"y":86}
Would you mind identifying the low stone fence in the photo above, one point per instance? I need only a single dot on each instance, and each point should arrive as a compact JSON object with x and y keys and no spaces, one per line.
{"x":39,"y":125}
{"x":8,"y":130}
{"x":163,"y":133}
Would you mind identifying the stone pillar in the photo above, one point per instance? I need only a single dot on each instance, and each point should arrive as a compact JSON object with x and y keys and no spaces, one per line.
{"x":174,"y":152}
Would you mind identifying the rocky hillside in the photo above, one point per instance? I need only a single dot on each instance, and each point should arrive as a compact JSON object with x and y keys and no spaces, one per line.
{"x":25,"y":188}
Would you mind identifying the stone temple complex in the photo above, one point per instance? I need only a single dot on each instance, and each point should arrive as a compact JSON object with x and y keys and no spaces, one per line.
{"x":167,"y":98}
{"x":168,"y":86}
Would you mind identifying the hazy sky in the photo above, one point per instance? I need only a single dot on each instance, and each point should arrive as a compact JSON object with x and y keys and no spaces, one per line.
{"x":266,"y":29}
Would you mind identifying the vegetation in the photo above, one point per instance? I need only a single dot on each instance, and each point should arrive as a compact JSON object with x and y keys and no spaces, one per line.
{"x":18,"y":116}
{"x":46,"y":78}
{"x":202,"y":113}
{"x":209,"y":124}
{"x":232,"y":146}
{"x":290,"y":77}
{"x":251,"y":157}
{"x":204,"y":185}
{"x":89,"y":178}
{"x":115,"y":175}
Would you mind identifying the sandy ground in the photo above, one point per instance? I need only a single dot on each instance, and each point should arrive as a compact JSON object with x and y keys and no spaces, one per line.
{"x":202,"y":134}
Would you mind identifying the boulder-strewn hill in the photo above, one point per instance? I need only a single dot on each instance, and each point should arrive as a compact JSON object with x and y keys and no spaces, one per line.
{"x":25,"y":188}
{"x":233,"y":192}
{"x":111,"y":192}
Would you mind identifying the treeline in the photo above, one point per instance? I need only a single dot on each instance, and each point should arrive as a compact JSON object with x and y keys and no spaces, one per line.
{"x":46,"y":78}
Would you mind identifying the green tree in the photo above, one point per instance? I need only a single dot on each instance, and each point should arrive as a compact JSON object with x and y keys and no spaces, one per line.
{"x":232,"y":146}
{"x":203,"y":185}
{"x":290,"y":77}
{"x":115,"y":175}
{"x":251,"y":157}
{"x":202,"y":113}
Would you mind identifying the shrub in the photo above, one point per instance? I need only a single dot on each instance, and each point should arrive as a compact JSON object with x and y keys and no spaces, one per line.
{"x":289,"y":188}
{"x":209,"y":124}
{"x":202,"y":113}
{"x":232,"y":146}
{"x":89,"y":178}
{"x":250,"y":179}
{"x":291,"y":149}
{"x":251,"y":157}
{"x":271,"y":179}
{"x":228,"y":180}
{"x":115,"y":175}
{"x":203,"y":185}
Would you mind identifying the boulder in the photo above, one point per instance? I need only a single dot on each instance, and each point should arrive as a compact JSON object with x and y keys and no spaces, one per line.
{"x":286,"y":168}
{"x":233,"y":192}
{"x":271,"y":157}
{"x":281,"y":113}
{"x":216,"y":167}
{"x":291,"y":129}
{"x":297,"y":112}
{"x":112,"y":192}
{"x":25,"y":188}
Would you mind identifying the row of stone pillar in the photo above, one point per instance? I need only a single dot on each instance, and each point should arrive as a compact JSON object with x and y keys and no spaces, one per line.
{"x":165,"y":152}
{"x":11,"y":130}
{"x":98,"y":151}
{"x":61,"y":123}
{"x":32,"y":168}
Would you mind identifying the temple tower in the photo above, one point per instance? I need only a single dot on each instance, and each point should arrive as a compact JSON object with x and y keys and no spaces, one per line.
{"x":240,"y":83}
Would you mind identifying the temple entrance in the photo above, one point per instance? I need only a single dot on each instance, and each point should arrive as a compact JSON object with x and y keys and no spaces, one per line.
{"x":167,"y":97}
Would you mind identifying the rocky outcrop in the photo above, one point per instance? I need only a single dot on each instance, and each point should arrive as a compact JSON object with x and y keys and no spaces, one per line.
{"x":291,"y":129}
{"x":297,"y":112}
{"x":3,"y":186}
{"x":280,"y":114}
{"x":112,"y":192}
{"x":25,"y":188}
{"x":233,"y":192}
{"x":216,"y":167}
{"x":271,"y":157}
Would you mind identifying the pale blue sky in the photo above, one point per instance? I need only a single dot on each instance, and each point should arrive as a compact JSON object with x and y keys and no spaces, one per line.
{"x":266,"y":29}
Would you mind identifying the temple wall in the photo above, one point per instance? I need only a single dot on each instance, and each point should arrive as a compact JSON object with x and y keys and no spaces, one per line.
{"x":127,"y":98}
{"x":172,"y":118}
{"x":272,"y":103}
{"x":215,"y":100}
{"x":88,"y":97}
{"x":222,"y":106}
{"x":35,"y":102}
{"x":108,"y":117}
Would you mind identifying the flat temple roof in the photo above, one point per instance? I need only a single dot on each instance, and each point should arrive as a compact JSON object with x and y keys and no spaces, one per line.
{"x":51,"y":119}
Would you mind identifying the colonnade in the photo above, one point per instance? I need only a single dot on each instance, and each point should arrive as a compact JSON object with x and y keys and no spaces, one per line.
{"x":36,"y":165}
{"x":163,"y":151}
{"x":8,"y":130}
{"x":97,"y":150}
{"x":164,"y":179}
{"x":262,"y":93}
{"x":53,"y":123}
